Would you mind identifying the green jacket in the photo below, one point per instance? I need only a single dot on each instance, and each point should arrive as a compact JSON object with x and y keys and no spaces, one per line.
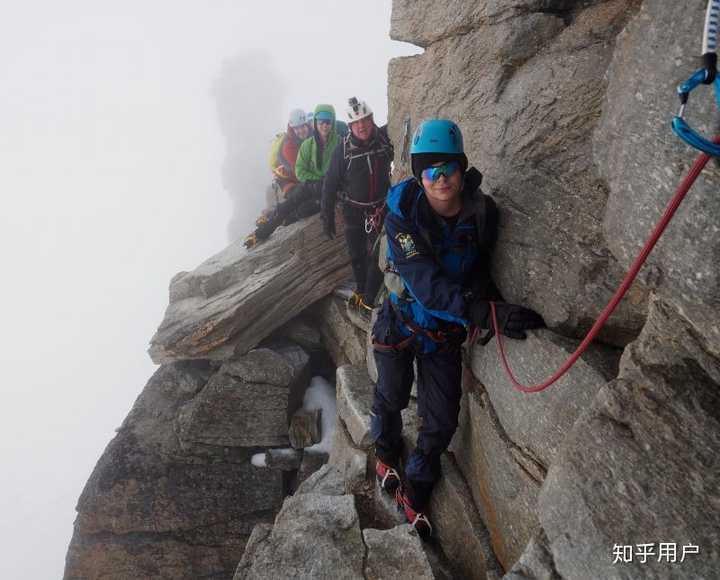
{"x":309,"y":167}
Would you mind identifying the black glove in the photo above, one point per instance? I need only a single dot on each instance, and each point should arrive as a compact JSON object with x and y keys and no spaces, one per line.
{"x":513,"y":320}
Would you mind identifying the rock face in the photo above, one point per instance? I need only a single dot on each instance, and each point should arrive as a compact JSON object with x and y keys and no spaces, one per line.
{"x":395,"y":554}
{"x":642,"y":163}
{"x":355,"y":394}
{"x":564,"y":107}
{"x":553,"y":411}
{"x":245,"y":404}
{"x":151,"y":509}
{"x":525,"y":83}
{"x":641,"y":466}
{"x":344,"y":340}
{"x":232,"y":301}
{"x":304,"y":428}
{"x":314,"y":536}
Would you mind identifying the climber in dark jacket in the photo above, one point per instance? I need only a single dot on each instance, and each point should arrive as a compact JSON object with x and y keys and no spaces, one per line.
{"x":440,"y":232}
{"x":359,"y":173}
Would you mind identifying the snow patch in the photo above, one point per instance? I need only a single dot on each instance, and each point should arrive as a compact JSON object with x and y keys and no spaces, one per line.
{"x":321,"y":395}
{"x":258,"y":460}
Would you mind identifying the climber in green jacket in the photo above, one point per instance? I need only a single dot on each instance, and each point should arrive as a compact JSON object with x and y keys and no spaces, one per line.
{"x":313,"y":160}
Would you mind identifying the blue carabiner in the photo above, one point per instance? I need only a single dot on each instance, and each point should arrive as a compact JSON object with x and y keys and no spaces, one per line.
{"x":680,"y":126}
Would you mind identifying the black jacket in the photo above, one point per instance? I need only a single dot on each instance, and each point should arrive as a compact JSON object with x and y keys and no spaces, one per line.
{"x":359,"y":169}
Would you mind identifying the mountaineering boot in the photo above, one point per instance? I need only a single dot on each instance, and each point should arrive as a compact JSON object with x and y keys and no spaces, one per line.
{"x":364,"y":308}
{"x":357,"y":303}
{"x":250,"y":241}
{"x":388,"y":478}
{"x":354,"y":300}
{"x":415,"y":518}
{"x":265,"y":227}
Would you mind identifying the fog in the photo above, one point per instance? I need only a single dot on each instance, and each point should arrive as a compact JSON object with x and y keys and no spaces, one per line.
{"x":111,"y":173}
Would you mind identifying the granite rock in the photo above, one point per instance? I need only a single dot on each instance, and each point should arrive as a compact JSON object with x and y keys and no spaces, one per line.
{"x":538,"y":422}
{"x":304,"y":429}
{"x":643,"y":162}
{"x":244,"y":404}
{"x":641,"y":465}
{"x":504,"y":489}
{"x":395,"y":554}
{"x":341,"y":337}
{"x":349,"y":460}
{"x":152,"y":508}
{"x":239,"y":297}
{"x":315,"y":536}
{"x":354,"y":400}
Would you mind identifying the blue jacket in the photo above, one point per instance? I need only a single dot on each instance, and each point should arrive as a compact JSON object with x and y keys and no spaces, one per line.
{"x":442,"y":267}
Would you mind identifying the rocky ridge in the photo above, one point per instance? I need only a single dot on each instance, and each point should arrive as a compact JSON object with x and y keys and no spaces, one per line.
{"x":563,"y":106}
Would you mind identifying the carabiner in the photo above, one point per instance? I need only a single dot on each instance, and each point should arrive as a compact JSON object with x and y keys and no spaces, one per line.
{"x":680,"y":126}
{"x":369,"y":224}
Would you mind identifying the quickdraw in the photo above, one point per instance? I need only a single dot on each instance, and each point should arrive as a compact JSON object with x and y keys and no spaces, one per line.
{"x":374,"y":212}
{"x":706,"y":75}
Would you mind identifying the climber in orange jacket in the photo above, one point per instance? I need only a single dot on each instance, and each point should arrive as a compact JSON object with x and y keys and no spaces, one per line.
{"x":283,"y":162}
{"x":283,"y":156}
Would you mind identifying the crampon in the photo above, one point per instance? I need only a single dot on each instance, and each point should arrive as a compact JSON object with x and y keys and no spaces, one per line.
{"x":416,"y":519}
{"x":388,"y":478}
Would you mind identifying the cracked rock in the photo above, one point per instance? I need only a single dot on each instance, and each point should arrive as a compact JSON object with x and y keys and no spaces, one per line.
{"x":238,"y":297}
{"x":354,"y":400}
{"x":539,"y":422}
{"x":315,"y":536}
{"x":641,"y":465}
{"x":395,"y":554}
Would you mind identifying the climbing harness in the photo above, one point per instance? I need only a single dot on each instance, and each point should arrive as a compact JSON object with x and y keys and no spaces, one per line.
{"x":439,"y":337}
{"x":708,"y":148}
{"x":374,"y":212}
{"x":374,"y":220}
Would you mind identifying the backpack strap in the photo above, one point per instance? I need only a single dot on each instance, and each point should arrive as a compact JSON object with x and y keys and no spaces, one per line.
{"x":486,"y":220}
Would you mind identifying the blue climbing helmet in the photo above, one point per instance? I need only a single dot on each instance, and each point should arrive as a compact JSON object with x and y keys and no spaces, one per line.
{"x":436,"y":140}
{"x":437,"y":136}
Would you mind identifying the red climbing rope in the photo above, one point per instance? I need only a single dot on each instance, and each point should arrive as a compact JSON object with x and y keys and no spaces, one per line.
{"x":670,"y":210}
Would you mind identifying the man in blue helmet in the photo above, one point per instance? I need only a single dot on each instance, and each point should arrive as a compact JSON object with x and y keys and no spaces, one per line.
{"x":440,"y":232}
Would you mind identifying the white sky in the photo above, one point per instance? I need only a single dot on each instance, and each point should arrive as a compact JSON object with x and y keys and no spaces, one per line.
{"x":110,"y":156}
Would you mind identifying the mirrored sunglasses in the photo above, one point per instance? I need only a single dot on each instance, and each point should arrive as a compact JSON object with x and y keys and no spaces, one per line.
{"x":323,"y":121}
{"x":446,"y":169}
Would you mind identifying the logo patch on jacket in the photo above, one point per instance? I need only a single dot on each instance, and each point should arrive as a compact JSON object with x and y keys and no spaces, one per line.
{"x":407,"y":244}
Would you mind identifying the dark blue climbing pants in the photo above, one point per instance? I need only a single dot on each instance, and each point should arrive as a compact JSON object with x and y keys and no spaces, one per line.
{"x":439,"y":391}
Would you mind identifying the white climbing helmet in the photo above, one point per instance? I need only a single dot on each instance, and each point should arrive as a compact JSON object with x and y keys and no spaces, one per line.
{"x":357,"y":110}
{"x":297,"y":118}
